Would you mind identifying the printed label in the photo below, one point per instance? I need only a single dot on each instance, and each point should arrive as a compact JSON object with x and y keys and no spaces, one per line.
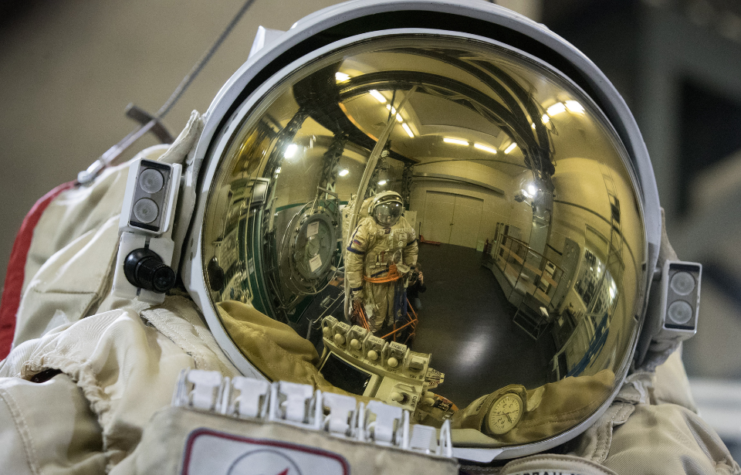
{"x":208,"y":452}
{"x":315,"y":263}
{"x":312,"y":229}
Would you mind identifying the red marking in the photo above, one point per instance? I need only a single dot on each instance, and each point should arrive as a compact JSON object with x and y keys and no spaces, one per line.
{"x":14,"y":276}
{"x":266,"y":442}
{"x":284,"y":472}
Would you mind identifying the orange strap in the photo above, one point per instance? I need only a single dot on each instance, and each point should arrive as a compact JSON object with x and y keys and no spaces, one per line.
{"x":392,"y":276}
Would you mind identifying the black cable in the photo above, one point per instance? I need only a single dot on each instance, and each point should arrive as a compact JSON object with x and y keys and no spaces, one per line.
{"x":188,"y":79}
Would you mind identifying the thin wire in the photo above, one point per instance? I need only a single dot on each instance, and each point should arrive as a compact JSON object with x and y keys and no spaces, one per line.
{"x":188,"y":79}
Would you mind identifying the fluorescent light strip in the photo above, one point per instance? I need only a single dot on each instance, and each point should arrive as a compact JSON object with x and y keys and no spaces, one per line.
{"x":341,"y":76}
{"x":556,"y":108}
{"x":408,"y":130}
{"x":545,"y":119}
{"x":575,"y":107}
{"x":455,"y":141}
{"x":379,"y":97}
{"x":485,"y":148}
{"x":344,"y":172}
{"x":511,"y":147}
{"x":393,"y":111}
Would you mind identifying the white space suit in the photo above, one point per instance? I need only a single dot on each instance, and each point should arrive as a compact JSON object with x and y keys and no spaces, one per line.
{"x":88,"y":385}
{"x":119,"y":362}
{"x":372,"y":250}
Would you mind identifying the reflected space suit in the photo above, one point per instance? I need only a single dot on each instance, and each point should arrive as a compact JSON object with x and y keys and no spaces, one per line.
{"x":381,"y":251}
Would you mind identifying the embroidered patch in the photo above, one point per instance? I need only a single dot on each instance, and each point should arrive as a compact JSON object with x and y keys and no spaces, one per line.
{"x":208,"y":452}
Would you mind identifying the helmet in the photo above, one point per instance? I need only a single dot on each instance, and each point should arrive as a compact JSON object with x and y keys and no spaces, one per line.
{"x":515,"y":157}
{"x":386,"y":208}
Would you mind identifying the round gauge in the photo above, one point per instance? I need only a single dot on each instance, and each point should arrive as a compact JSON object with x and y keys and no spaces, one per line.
{"x":504,"y":414}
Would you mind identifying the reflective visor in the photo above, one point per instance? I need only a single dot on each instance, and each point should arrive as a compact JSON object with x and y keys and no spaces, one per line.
{"x":387,"y":214}
{"x":520,"y":193}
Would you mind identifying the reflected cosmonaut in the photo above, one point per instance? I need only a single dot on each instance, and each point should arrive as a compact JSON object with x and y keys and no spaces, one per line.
{"x":380,"y":254}
{"x":524,"y":203}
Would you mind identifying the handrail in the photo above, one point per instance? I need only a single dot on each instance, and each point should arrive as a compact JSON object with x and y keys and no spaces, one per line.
{"x":529,"y":249}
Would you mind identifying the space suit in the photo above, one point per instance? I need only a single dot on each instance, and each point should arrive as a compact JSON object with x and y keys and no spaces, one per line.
{"x":108,"y":374}
{"x":380,"y":254}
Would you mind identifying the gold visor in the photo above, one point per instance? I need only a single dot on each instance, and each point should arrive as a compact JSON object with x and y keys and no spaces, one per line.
{"x":504,"y":298}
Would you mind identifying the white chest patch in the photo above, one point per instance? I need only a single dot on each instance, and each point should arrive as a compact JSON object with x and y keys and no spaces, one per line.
{"x":209,"y":452}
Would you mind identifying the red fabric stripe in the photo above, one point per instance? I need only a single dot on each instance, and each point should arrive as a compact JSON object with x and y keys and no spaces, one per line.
{"x":14,"y":276}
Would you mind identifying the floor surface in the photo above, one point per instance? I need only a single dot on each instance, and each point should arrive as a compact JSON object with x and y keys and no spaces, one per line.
{"x":466,"y":323}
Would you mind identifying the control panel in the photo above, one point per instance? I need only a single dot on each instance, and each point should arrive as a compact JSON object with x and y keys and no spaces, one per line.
{"x":359,"y":362}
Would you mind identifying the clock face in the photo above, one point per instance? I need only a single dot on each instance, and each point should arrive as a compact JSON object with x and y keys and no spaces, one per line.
{"x":504,"y":414}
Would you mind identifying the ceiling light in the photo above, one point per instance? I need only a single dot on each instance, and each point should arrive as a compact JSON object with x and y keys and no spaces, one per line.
{"x":575,"y":107}
{"x":382,"y":182}
{"x":510,"y":148}
{"x":455,"y":141}
{"x":485,"y":148}
{"x":532,"y":189}
{"x":379,"y":97}
{"x":545,"y":119}
{"x":344,"y":172}
{"x":341,"y":76}
{"x":408,"y":130}
{"x":277,"y":170}
{"x":555,"y":109}
{"x":291,"y":151}
{"x":398,"y":117}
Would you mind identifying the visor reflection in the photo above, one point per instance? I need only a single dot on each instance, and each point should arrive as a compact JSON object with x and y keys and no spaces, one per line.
{"x":449,"y":227}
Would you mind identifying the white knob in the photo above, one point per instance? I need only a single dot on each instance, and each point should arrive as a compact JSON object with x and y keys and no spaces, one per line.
{"x":355,"y":344}
{"x":326,"y":331}
{"x":339,"y":339}
{"x":428,"y":401}
{"x":372,"y":355}
{"x":393,"y":362}
{"x":397,"y":397}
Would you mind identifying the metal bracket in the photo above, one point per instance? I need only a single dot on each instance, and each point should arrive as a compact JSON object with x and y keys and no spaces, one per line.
{"x":341,"y":412}
{"x":143,"y":117}
{"x":299,"y":405}
{"x":251,"y":402}
{"x":388,"y":420}
{"x":148,"y":124}
{"x":207,"y":387}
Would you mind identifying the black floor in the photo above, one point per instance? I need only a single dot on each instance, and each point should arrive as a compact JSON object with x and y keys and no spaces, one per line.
{"x":466,"y":323}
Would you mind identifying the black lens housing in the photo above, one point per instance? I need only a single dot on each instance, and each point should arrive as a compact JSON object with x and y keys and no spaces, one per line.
{"x":144,"y":268}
